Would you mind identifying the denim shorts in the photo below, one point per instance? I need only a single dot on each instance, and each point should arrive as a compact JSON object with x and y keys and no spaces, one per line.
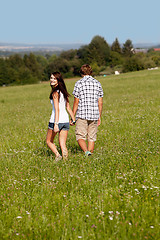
{"x":62,"y":126}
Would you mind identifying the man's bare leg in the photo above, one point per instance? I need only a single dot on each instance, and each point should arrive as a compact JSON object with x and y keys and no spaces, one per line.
{"x":83,"y":145}
{"x":91,"y":146}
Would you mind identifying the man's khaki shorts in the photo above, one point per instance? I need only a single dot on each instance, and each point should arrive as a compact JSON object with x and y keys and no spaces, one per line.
{"x":86,"y":128}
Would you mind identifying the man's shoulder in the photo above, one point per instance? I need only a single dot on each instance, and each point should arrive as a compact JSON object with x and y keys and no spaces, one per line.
{"x":87,"y":78}
{"x":95,"y":80}
{"x":79,"y":81}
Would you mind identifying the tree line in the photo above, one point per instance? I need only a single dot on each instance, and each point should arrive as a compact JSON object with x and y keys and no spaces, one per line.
{"x":104,"y":59}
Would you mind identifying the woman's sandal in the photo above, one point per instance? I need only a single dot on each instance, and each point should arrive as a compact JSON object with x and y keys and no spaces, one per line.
{"x":58,"y":158}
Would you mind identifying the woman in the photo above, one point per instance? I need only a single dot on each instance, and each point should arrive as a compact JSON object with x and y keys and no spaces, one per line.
{"x":59,"y":120}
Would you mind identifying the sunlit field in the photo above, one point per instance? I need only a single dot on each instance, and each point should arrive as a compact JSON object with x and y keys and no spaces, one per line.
{"x":114,"y":194}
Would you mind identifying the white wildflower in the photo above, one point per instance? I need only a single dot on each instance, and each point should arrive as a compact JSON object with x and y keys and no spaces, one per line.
{"x":101,"y":213}
{"x":144,"y":187}
{"x":110,"y":212}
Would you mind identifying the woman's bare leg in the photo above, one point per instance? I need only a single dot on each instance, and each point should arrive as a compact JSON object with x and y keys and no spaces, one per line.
{"x":49,"y":140}
{"x":62,"y":142}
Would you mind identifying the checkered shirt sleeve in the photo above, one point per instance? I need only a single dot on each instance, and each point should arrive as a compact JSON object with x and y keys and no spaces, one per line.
{"x":76,"y":90}
{"x":88,"y":90}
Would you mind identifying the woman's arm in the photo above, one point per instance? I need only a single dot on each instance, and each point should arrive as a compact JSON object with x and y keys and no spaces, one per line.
{"x":56,"y":106}
{"x":68,"y":107}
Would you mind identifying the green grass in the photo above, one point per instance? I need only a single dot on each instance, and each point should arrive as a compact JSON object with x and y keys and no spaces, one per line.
{"x":113,"y":194}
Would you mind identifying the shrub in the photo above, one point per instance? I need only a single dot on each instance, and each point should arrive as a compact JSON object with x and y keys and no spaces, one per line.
{"x":133,"y":64}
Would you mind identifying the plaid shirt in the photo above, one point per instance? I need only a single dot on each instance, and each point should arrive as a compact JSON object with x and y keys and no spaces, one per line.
{"x":88,"y":90}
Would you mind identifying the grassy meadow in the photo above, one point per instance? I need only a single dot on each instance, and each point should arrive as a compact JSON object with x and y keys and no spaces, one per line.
{"x":114,"y":194}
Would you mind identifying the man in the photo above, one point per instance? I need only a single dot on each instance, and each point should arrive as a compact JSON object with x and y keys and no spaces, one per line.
{"x":88,"y":101}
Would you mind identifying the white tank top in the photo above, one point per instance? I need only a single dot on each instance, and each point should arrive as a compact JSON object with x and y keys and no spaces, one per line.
{"x":63,"y":115}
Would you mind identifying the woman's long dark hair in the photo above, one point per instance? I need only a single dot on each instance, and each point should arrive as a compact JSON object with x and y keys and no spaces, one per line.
{"x":61,"y":86}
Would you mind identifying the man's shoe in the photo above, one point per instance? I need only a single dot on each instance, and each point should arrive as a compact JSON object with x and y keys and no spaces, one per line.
{"x":88,"y":153}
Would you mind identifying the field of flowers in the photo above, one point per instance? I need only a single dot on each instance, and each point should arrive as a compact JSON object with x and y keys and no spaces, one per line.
{"x":113,"y":194}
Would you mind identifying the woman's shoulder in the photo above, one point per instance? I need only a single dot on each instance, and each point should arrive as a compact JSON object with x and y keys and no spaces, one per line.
{"x":55,"y":94}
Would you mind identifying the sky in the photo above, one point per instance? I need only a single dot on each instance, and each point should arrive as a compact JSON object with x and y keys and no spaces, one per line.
{"x":78,"y":21}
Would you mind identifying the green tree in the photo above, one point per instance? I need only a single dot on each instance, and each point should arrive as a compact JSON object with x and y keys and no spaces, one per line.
{"x":83,"y":53}
{"x":75,"y":66}
{"x":42,"y":61}
{"x":52,"y":58}
{"x":4,"y":80}
{"x":156,"y":59}
{"x":95,"y":69}
{"x":116,"y":46}
{"x":127,"y":48}
{"x":69,"y":55}
{"x":115,"y":59}
{"x":15,"y":61}
{"x":32,"y":64}
{"x":26,"y":77}
{"x":99,"y":51}
{"x":133,"y":63}
{"x":13,"y":64}
{"x":59,"y":64}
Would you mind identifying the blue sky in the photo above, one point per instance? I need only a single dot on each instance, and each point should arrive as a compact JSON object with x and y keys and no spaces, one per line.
{"x":78,"y":21}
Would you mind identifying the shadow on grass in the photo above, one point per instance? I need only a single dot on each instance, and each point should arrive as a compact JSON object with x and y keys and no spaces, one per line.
{"x":43,"y":151}
{"x":73,"y":148}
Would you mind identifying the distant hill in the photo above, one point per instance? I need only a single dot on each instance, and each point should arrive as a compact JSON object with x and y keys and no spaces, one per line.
{"x":157,"y":46}
{"x":145,"y":45}
{"x":18,"y":47}
{"x":7,"y":49}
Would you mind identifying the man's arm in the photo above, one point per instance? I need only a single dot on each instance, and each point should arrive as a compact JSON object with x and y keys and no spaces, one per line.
{"x":75,"y":105}
{"x":100,"y":105}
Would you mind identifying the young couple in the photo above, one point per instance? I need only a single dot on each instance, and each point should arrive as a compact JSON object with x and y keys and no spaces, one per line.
{"x":87,"y":106}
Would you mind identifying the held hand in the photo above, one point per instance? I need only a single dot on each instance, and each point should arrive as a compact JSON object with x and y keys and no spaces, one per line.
{"x":72,"y":123}
{"x":99,"y":122}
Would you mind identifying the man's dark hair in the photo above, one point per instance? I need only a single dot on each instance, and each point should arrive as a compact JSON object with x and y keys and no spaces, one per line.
{"x":86,"y":69}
